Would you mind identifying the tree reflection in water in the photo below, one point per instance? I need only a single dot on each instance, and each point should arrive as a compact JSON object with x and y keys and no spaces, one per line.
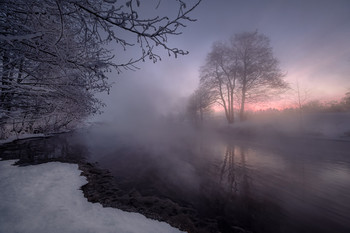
{"x":234,"y":176}
{"x":259,"y":187}
{"x":240,"y":201}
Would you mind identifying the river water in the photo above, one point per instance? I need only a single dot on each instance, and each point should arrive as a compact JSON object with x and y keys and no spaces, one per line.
{"x":262,"y":184}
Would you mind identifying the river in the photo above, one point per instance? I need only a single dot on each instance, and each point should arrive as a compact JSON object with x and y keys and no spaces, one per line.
{"x":261,"y":184}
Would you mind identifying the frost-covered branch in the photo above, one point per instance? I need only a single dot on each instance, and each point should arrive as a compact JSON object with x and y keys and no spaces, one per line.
{"x":54,"y":53}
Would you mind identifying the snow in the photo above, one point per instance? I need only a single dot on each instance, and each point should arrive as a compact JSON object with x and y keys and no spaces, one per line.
{"x":46,"y":198}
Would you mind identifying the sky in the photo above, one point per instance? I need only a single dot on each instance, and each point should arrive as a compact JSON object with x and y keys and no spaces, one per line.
{"x":310,"y":38}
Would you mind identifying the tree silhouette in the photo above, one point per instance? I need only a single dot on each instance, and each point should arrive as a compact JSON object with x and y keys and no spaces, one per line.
{"x":243,"y":69}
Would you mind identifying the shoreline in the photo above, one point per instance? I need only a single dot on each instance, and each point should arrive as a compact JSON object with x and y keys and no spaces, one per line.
{"x":102,"y":187}
{"x":47,"y":198}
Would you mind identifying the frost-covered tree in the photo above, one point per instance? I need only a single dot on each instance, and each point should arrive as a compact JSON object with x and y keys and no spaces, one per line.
{"x":53,"y":56}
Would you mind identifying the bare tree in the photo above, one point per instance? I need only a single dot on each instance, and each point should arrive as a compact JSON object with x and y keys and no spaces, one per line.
{"x":302,"y":97}
{"x":200,"y":102}
{"x":258,"y":70}
{"x":53,"y":56}
{"x":220,"y":75}
{"x":242,"y":71}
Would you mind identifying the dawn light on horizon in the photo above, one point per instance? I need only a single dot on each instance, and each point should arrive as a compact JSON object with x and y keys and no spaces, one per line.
{"x":161,"y":116}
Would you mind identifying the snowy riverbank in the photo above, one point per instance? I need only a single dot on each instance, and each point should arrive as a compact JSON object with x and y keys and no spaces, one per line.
{"x":46,"y":198}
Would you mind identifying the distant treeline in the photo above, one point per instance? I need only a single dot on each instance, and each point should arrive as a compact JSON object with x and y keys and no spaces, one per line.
{"x":314,"y":106}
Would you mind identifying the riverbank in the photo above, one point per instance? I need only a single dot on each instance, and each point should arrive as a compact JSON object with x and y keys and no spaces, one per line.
{"x":102,"y":188}
{"x":46,"y":198}
{"x":206,"y":183}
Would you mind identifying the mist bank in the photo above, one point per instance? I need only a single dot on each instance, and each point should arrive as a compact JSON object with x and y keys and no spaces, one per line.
{"x":158,"y":127}
{"x":149,"y":117}
{"x":328,"y":125}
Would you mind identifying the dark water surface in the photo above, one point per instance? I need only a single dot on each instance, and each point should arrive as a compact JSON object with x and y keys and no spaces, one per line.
{"x":262,"y":184}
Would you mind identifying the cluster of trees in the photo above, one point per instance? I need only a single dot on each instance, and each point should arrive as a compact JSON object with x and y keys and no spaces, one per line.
{"x":53,"y":56}
{"x":240,"y":71}
{"x":200,"y":103}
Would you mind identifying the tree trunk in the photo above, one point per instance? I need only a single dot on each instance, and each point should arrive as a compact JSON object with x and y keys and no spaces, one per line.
{"x":201,"y":114}
{"x":227,"y":111}
{"x":241,"y":113}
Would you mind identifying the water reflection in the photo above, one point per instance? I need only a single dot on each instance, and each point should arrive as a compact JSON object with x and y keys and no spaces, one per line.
{"x":234,"y":173}
{"x":63,"y":147}
{"x":288,"y":186}
{"x":294,"y":187}
{"x":240,"y":200}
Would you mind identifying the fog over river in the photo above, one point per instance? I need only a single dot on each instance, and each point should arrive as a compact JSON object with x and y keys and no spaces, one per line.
{"x":275,"y":183}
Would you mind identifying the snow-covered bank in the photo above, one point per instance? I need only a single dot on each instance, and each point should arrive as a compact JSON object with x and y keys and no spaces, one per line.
{"x":46,"y":198}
